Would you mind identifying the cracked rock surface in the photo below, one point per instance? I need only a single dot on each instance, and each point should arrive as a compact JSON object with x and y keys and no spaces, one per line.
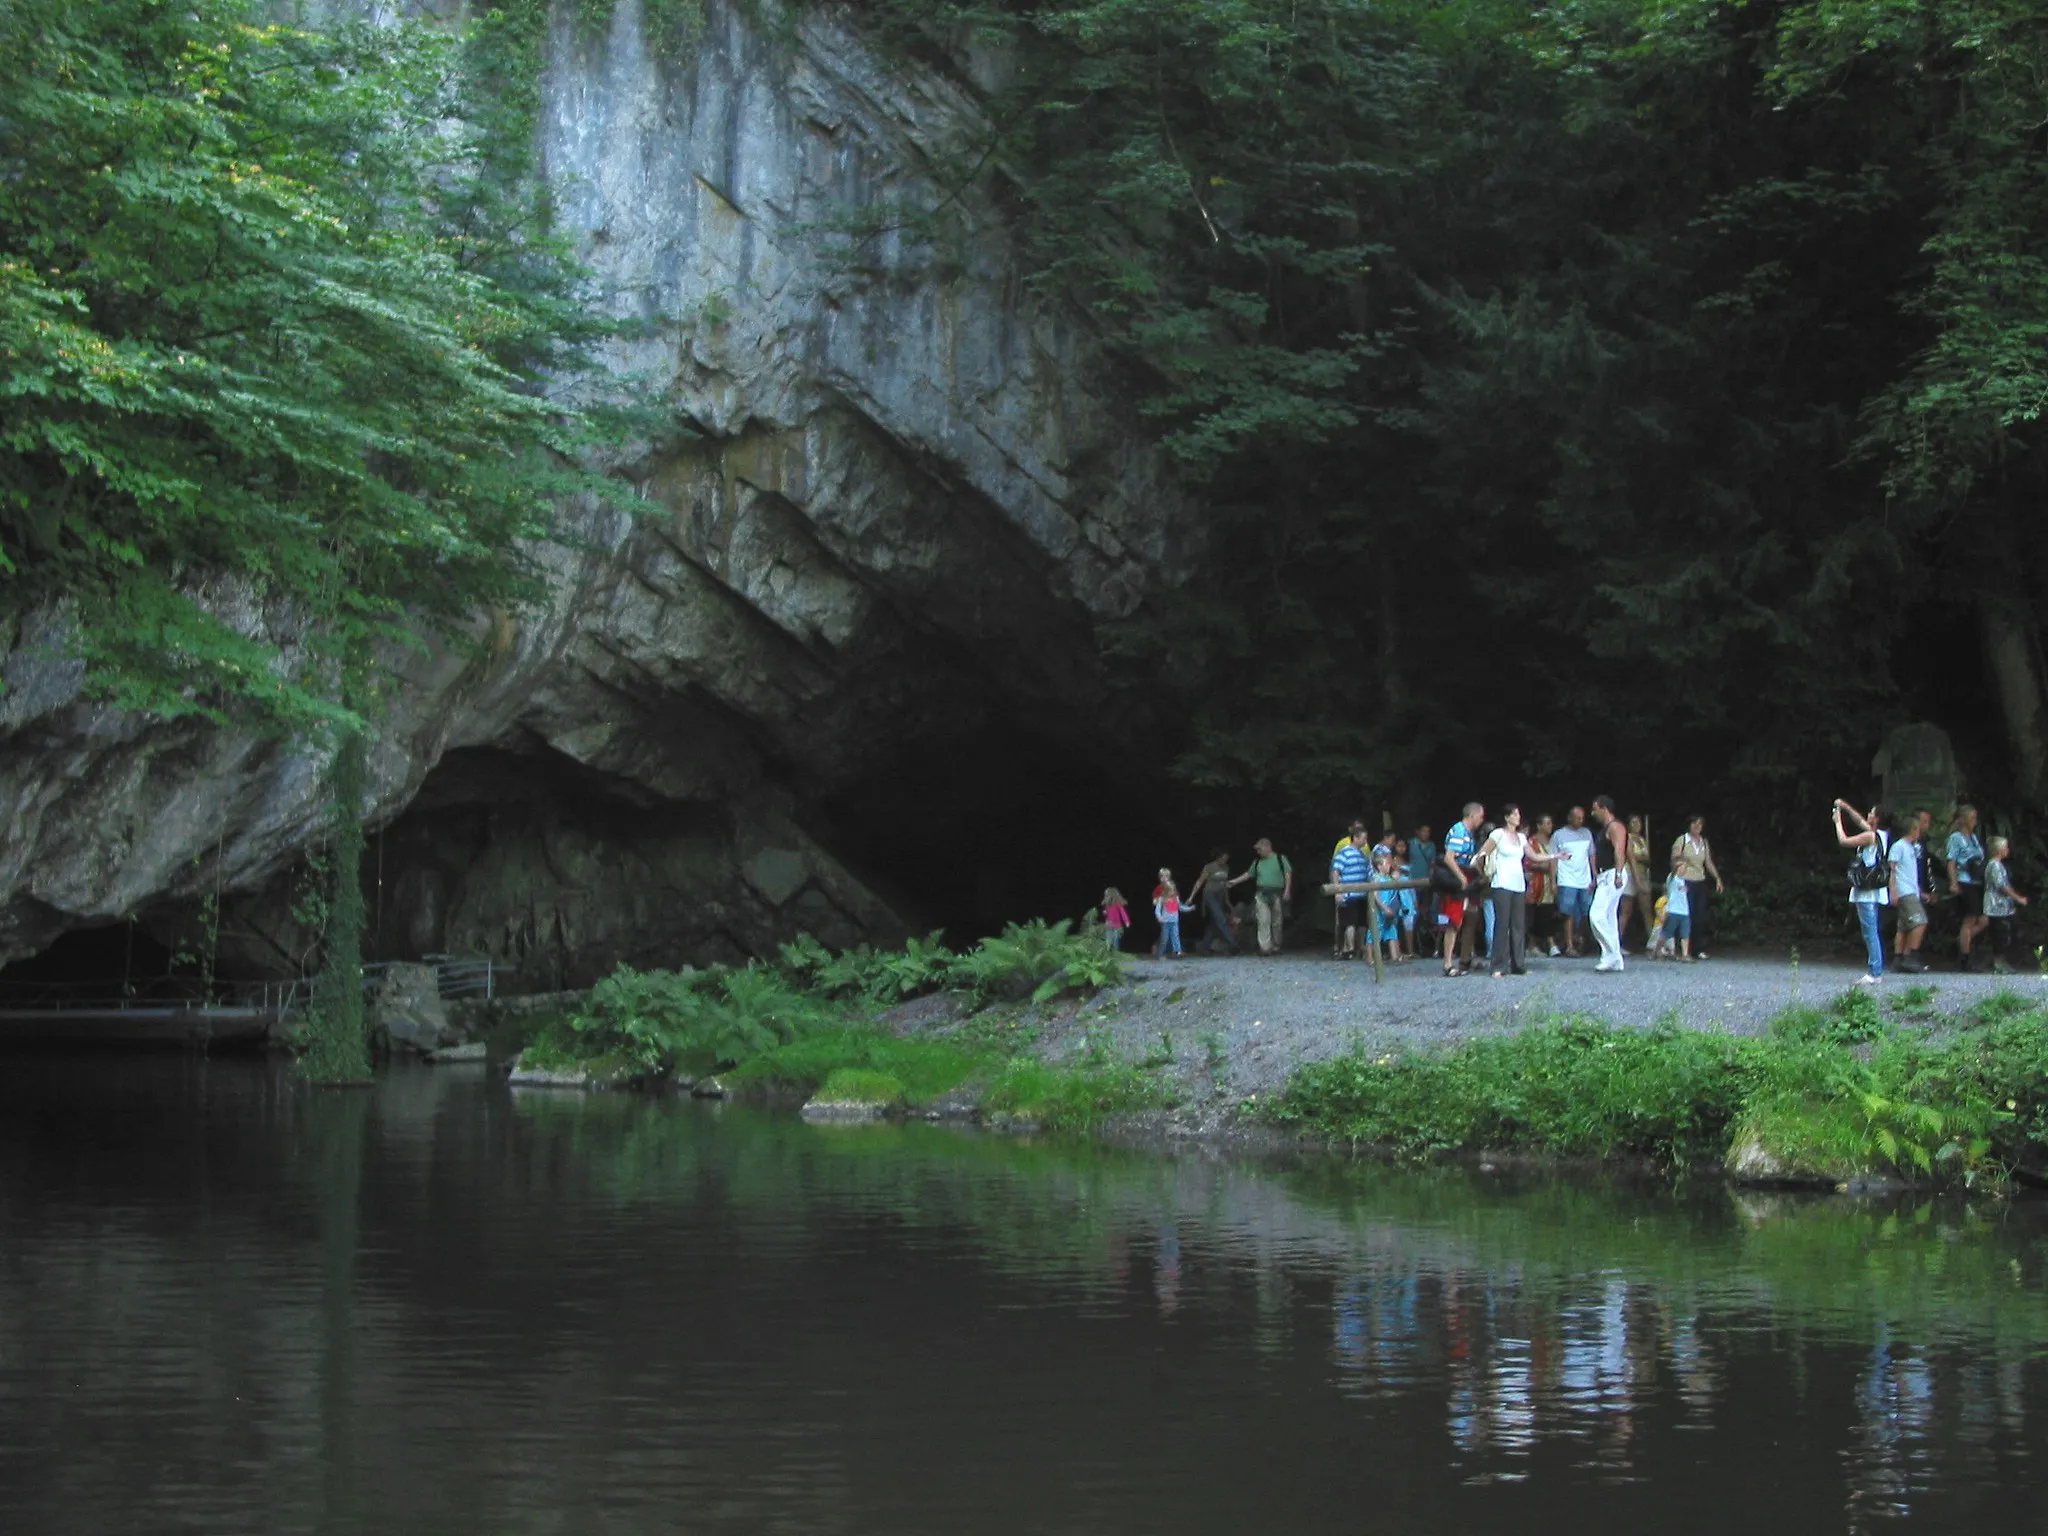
{"x":898,"y":497}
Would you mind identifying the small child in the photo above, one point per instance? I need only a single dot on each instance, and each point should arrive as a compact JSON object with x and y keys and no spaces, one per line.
{"x":1389,"y":903}
{"x":1166,"y":907}
{"x":1116,"y":917}
{"x":1659,"y":950}
{"x":2000,"y":901}
{"x":1677,"y":924}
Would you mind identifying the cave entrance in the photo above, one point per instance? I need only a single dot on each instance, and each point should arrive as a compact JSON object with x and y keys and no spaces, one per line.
{"x":1001,"y":826}
{"x":114,"y":959}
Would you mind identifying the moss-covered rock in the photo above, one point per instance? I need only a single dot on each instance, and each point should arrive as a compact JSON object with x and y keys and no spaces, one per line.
{"x":1805,"y":1144}
{"x":855,"y":1094}
{"x":534,"y":1068}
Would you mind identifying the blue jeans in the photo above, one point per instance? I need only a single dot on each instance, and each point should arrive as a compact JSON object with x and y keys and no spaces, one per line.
{"x":1169,"y":936}
{"x":1873,"y":938}
{"x":1114,"y":937}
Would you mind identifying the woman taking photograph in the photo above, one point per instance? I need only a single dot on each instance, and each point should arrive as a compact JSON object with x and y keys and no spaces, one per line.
{"x":1692,"y":860}
{"x":1870,"y":889}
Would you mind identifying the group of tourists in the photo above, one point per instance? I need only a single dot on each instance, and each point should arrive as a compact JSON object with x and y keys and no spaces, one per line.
{"x":1502,"y":889}
{"x":1271,"y":877}
{"x":1503,"y":885}
{"x":1509,"y":883}
{"x":1890,"y":870}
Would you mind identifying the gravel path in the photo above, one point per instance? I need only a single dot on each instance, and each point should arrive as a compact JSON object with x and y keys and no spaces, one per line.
{"x":1239,"y":1026}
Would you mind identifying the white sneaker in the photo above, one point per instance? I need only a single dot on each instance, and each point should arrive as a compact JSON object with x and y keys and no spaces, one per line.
{"x":1868,"y":981}
{"x":1555,"y":951}
{"x":1604,"y":966}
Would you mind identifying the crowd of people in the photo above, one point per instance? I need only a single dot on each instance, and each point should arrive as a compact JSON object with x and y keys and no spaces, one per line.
{"x":1494,"y":891}
{"x":1495,"y":888}
{"x":1892,"y":870}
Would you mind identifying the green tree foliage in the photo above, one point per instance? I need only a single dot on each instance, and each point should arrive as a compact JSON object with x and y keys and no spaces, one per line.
{"x":271,"y":303}
{"x":1622,"y":370}
{"x":275,"y":310}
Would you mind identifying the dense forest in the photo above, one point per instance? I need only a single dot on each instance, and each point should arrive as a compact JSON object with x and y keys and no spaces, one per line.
{"x":1642,"y":392}
{"x":1646,"y":394}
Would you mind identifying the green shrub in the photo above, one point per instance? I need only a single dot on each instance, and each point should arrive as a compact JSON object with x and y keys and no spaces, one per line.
{"x":885,"y":977}
{"x":1071,"y":1098}
{"x":1040,"y":960}
{"x":1820,"y":1094}
{"x":1574,"y":1088}
{"x":662,"y":1021}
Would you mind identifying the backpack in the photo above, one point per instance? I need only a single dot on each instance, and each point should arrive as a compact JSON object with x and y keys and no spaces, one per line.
{"x":1872,"y":877}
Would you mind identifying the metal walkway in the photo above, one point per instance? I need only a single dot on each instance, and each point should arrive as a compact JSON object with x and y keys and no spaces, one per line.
{"x":186,"y":1010}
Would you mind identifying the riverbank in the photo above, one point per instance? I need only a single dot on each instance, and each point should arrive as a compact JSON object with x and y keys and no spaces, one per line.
{"x":1270,"y":1017}
{"x":1773,"y":1072}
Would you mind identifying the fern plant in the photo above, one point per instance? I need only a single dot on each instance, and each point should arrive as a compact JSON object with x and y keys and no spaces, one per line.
{"x":654,"y":1022}
{"x":1040,"y":960}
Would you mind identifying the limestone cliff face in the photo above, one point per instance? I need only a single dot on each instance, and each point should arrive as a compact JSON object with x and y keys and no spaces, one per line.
{"x":897,"y":499}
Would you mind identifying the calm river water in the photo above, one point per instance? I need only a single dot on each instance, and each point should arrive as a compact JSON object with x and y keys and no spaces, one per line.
{"x":228,"y":1304}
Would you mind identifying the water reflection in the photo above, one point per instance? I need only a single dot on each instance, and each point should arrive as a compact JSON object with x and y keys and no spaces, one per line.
{"x":227,"y":1304}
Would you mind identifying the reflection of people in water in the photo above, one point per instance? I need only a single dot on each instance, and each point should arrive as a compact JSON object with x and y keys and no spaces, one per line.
{"x":1894,"y":1410}
{"x":1166,"y":1269}
{"x":1697,"y":1374}
{"x":1376,"y":1332}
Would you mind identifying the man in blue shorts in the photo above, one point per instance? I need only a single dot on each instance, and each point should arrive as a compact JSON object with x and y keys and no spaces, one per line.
{"x":1573,"y":845}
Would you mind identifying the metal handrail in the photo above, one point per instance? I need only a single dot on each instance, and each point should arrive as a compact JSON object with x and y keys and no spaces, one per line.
{"x":453,"y":979}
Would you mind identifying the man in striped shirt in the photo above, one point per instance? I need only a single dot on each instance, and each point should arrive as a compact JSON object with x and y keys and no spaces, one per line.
{"x":1349,"y":866}
{"x":1461,"y":851}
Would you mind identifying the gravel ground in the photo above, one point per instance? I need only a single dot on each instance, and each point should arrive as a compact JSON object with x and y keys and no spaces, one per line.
{"x":1239,"y":1026}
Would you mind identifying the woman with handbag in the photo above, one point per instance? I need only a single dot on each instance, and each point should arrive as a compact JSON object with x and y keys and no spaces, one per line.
{"x":1870,"y":879}
{"x":1692,"y":860}
{"x":1509,"y":853}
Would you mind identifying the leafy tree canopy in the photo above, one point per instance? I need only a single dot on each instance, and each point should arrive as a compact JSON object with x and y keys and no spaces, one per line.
{"x":274,"y":307}
{"x":1590,"y":384}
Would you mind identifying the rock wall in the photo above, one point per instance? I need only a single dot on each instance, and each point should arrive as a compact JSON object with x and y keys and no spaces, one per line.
{"x":896,"y":501}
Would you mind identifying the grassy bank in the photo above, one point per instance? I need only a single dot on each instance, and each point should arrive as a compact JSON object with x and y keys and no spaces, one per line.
{"x":817,"y":1021}
{"x":985,"y":1061}
{"x":1846,"y":1094}
{"x":1823,"y":1097}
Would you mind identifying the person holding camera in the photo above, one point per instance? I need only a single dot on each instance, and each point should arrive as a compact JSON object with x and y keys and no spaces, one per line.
{"x":1870,"y":878}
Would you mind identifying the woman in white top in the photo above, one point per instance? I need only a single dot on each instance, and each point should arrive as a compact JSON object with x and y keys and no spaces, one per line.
{"x":1509,"y":852}
{"x":1869,"y":842}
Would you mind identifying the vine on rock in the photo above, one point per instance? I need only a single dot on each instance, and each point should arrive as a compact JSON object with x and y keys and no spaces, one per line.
{"x":337,"y":1039}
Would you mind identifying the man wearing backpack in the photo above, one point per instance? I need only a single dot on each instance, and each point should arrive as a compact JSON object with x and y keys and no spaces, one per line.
{"x":1272,"y":889}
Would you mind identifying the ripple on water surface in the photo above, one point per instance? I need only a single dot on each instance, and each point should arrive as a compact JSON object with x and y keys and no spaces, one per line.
{"x":229,"y":1304}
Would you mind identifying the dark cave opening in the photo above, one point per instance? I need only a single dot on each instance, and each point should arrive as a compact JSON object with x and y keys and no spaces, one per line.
{"x":113,"y":959}
{"x":1002,"y":825}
